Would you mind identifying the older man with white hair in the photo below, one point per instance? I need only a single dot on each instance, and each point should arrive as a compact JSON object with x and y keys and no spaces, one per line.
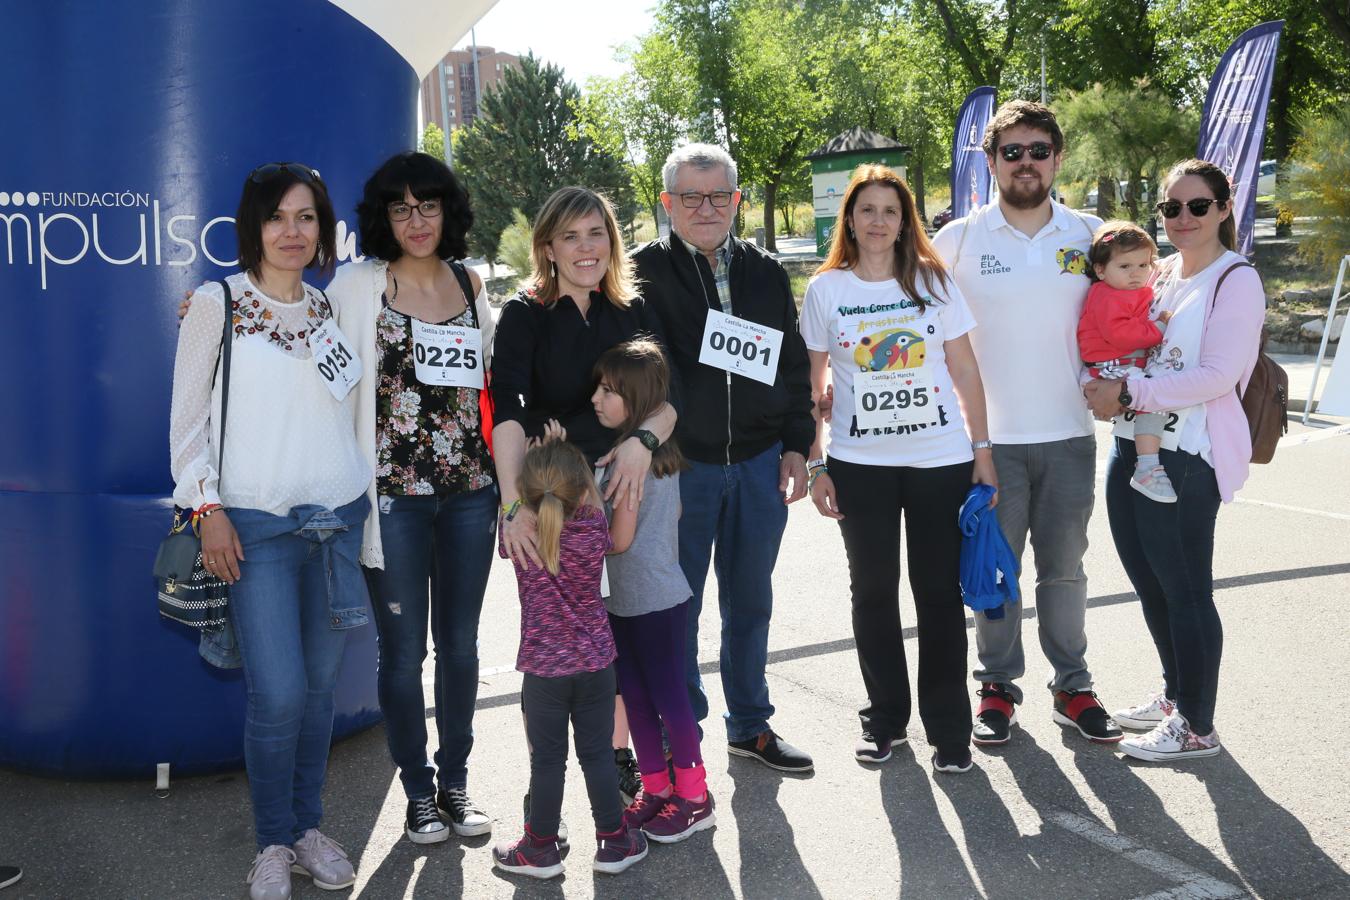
{"x":730,"y":325}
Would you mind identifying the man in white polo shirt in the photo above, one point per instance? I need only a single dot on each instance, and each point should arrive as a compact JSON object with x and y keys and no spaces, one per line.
{"x":1021,"y":264}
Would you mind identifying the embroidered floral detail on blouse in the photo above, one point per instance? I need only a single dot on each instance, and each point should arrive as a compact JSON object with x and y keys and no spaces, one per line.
{"x":253,"y":316}
{"x":428,"y":437}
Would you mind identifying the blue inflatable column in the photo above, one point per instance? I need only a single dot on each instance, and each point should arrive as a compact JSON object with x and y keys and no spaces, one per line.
{"x":131,"y":127}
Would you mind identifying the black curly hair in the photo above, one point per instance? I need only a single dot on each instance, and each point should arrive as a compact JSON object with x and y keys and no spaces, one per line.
{"x":428,"y":179}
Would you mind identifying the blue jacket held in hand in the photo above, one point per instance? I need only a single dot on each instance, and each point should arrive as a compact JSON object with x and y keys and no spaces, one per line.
{"x":988,"y":568}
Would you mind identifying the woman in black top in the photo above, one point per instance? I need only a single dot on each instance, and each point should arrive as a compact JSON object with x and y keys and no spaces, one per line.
{"x":579,"y":302}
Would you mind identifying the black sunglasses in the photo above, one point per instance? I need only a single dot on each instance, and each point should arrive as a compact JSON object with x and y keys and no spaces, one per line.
{"x":271,"y":170}
{"x":1039,"y":150}
{"x":1199,"y":207}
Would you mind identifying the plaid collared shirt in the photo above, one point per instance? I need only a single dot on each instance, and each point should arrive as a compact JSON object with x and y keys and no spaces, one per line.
{"x":721,"y":270}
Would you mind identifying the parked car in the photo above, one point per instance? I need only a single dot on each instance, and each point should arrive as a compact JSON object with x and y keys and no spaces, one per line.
{"x":1265,"y":180}
{"x":942,"y":218}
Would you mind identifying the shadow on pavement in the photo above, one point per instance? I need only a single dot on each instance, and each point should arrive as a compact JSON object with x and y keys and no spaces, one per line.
{"x":771,"y":865}
{"x":930,"y":863}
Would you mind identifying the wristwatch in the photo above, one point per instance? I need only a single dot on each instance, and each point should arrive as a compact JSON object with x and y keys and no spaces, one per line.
{"x":982,"y":445}
{"x":649,"y":440}
{"x":1125,"y":398}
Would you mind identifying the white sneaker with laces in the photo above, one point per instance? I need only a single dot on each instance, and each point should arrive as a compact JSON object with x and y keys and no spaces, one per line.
{"x":270,"y":877}
{"x":1171,"y":739}
{"x":1145,"y":716}
{"x":323,"y":859}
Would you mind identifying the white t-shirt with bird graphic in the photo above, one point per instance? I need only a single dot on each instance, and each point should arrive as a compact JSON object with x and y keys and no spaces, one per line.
{"x":872,"y":327}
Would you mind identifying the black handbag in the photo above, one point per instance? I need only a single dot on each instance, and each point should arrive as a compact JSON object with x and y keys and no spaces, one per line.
{"x":188,"y":593}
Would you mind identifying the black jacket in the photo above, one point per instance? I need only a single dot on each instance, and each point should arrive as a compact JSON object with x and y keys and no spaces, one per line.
{"x":679,"y":288}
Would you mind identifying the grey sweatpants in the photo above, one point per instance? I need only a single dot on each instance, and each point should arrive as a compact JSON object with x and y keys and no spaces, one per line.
{"x":1045,"y":490}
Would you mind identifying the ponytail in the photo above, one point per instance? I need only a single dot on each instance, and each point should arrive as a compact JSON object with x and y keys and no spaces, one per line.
{"x":555,"y":482}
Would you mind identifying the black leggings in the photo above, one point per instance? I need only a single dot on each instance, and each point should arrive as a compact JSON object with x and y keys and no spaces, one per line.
{"x":872,"y":499}
{"x":587,"y":701}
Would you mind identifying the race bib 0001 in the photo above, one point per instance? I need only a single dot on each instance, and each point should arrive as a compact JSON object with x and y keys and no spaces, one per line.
{"x":741,"y":346}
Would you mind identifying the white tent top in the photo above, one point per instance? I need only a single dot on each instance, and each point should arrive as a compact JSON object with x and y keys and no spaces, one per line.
{"x":421,"y":31}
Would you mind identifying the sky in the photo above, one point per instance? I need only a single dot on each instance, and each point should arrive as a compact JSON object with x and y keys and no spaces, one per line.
{"x":579,"y":36}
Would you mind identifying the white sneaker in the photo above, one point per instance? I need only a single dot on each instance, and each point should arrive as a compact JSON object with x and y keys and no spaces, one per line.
{"x":270,"y":877}
{"x":1154,"y":484}
{"x":1146,"y":715}
{"x":323,"y":859}
{"x":1171,"y":739}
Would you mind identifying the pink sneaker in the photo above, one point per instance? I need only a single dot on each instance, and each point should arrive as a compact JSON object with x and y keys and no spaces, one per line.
{"x":1154,"y":484}
{"x":1171,"y":739}
{"x":1145,"y":716}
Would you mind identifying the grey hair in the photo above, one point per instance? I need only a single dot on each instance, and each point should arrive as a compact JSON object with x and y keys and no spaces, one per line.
{"x":701,"y":157}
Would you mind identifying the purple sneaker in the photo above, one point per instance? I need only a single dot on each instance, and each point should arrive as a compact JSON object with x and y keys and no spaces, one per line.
{"x":529,"y":855}
{"x":680,"y":818}
{"x":616,"y":852}
{"x":643,"y":809}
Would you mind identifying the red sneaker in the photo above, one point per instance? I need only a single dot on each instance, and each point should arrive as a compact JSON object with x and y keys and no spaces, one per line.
{"x":1082,"y":710}
{"x":995,"y":717}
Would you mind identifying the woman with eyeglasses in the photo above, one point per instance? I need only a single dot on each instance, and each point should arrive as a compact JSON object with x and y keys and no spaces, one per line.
{"x":1217,"y":307}
{"x":281,"y":501}
{"x":423,"y":320}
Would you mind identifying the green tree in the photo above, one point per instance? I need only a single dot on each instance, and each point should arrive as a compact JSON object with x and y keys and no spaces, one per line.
{"x":432,"y":141}
{"x":517,"y":244}
{"x":1130,"y":133}
{"x":524,"y":146}
{"x":640,"y":116}
{"x":1318,"y":185}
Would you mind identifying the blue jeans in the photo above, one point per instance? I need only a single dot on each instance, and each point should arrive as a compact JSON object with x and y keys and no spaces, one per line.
{"x":284,"y":612}
{"x":446,"y":541}
{"x":1167,"y":550}
{"x":739,"y":509}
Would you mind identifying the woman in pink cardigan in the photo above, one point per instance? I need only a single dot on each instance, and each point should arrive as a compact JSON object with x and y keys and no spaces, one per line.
{"x":1217,"y":307}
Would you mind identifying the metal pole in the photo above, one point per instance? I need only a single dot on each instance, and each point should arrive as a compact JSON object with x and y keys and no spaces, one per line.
{"x":1042,"y":65}
{"x":477,"y":81}
{"x":1326,"y":335}
{"x":445,"y":112}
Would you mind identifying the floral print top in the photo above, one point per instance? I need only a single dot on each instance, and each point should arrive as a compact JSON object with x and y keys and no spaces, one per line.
{"x":428,"y":437}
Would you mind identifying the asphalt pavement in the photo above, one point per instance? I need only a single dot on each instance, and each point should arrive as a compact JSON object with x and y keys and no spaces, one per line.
{"x":1049,"y":816}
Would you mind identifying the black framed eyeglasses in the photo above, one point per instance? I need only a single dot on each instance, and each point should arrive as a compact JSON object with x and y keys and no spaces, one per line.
{"x":694,"y":199}
{"x":1199,"y":207}
{"x":1039,"y":150}
{"x":271,"y":170}
{"x":401,"y":212}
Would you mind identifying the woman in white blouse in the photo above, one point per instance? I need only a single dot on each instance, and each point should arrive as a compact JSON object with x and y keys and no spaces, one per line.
{"x":281,"y":500}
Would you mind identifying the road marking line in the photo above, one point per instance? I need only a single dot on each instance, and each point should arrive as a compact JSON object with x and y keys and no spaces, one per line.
{"x":1310,"y":437}
{"x":1298,"y":509}
{"x":1195,"y":885}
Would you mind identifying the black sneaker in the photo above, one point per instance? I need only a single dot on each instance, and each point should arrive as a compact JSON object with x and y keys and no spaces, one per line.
{"x":1082,"y":710}
{"x":563,"y":846}
{"x":424,"y":825}
{"x":10,"y":875}
{"x":996,"y":715}
{"x":953,"y":761}
{"x":465,"y":816}
{"x":630,"y":779}
{"x":876,"y":748}
{"x":773,"y":751}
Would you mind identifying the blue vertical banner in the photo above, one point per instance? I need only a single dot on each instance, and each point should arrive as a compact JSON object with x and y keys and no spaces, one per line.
{"x":142,"y":120}
{"x":970,"y":172}
{"x":1233,"y":124}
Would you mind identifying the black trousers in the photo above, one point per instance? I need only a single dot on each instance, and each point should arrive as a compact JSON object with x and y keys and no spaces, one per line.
{"x":872,"y":499}
{"x":587,"y":699}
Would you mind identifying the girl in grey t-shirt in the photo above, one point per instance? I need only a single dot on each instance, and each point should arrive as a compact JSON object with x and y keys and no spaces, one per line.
{"x":648,"y":603}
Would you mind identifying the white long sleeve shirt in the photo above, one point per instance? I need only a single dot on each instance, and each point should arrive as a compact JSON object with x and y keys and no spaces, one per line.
{"x":288,"y":441}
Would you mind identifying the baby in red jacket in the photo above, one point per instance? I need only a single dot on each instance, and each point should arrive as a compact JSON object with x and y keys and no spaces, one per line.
{"x":1116,"y":331}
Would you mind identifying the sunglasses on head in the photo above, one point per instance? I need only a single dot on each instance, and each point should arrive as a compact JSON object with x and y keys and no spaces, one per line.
{"x":271,"y":170}
{"x":1039,"y":150}
{"x":1199,"y":207}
